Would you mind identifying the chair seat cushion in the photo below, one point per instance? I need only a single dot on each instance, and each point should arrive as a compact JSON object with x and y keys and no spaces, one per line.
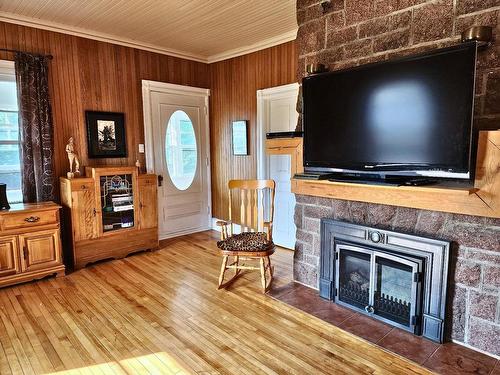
{"x":249,"y":242}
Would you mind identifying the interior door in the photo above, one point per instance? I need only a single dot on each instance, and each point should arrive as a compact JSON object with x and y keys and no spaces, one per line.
{"x":180,"y":129}
{"x":277,"y":113}
{"x":284,"y":229}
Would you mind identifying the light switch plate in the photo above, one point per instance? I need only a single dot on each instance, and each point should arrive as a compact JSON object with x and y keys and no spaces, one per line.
{"x":141,"y":148}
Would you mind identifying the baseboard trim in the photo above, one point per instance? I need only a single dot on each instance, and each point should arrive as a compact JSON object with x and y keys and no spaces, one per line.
{"x":182,"y":233}
{"x":476,"y":349}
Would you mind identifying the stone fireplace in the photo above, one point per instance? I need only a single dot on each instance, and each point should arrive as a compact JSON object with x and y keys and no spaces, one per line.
{"x":473,"y":298}
{"x":346,"y":33}
{"x":398,"y":278}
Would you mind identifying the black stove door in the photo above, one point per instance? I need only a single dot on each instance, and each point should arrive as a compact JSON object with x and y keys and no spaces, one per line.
{"x":397,"y":290}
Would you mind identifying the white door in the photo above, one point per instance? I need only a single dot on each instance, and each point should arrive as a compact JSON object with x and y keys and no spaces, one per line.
{"x":283,"y":226}
{"x":177,"y":146}
{"x":276,"y":113}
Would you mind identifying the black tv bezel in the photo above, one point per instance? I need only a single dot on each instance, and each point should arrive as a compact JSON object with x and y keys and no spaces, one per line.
{"x":433,"y":170}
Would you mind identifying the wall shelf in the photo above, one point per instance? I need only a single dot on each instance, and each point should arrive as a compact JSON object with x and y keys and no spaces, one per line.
{"x":482,"y":199}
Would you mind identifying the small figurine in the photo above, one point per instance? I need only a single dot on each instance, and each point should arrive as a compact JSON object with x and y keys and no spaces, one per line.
{"x":138,"y":165}
{"x":73,"y":157}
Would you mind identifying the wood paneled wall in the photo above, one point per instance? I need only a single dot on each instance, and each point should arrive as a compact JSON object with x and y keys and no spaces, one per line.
{"x":91,"y":75}
{"x":233,"y":85}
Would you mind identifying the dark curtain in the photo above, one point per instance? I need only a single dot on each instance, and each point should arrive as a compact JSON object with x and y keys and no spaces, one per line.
{"x":37,"y":134}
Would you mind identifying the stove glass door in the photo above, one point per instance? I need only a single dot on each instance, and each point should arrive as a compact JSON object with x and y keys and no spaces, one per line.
{"x":382,"y":285}
{"x":395,"y":288}
{"x":353,"y":277}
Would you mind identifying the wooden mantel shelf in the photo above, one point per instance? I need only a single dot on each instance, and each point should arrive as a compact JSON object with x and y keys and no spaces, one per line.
{"x":436,"y":198}
{"x":482,"y":199}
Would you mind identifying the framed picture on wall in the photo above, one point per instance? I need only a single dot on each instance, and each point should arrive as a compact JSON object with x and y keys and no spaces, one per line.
{"x":106,"y":134}
{"x":240,"y":141}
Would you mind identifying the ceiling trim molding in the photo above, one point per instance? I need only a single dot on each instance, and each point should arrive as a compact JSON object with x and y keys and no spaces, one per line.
{"x":103,"y":37}
{"x":270,"y":42}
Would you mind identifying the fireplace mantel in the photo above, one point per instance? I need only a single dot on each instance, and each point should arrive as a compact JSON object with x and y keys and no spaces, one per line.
{"x":482,"y":199}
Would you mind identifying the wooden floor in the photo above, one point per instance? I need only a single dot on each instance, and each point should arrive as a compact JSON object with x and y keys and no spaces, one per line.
{"x":160,"y":313}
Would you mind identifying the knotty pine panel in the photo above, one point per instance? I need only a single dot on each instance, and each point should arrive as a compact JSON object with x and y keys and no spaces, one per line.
{"x":90,"y":75}
{"x":233,"y":84}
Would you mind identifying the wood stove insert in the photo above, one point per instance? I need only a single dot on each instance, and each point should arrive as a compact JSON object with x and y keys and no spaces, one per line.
{"x":398,"y":278}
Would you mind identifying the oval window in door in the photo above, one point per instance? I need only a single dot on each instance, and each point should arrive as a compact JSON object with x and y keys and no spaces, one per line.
{"x":181,"y":153}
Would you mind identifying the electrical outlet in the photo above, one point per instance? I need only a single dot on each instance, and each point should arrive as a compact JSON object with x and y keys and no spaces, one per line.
{"x":141,"y":148}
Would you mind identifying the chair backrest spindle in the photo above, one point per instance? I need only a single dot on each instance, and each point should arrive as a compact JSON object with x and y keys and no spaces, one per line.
{"x":252,"y":203}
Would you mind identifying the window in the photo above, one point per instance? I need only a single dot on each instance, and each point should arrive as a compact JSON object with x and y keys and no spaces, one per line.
{"x":10,"y":166}
{"x":180,"y":150}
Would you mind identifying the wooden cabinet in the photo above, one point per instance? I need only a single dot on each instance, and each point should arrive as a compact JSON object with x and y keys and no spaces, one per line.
{"x":40,"y":250}
{"x":9,"y":256}
{"x":83,"y":203}
{"x":112,"y":213}
{"x":148,"y":207}
{"x":30,"y":245}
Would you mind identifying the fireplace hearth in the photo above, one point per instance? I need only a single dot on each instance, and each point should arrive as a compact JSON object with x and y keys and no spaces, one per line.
{"x":398,"y":278}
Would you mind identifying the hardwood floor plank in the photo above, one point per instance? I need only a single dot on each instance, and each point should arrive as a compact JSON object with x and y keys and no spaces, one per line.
{"x":16,"y":357}
{"x":161,"y":313}
{"x":30,"y":343}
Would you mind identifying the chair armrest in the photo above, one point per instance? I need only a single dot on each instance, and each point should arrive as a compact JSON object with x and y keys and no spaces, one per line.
{"x":269,"y":226}
{"x":224,"y":233}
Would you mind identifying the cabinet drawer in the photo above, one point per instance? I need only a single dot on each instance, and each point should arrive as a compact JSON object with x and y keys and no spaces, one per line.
{"x":29,"y":219}
{"x":82,"y":184}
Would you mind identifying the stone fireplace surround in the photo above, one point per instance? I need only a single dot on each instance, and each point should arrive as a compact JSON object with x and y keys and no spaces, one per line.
{"x":354,"y":32}
{"x":473,"y":303}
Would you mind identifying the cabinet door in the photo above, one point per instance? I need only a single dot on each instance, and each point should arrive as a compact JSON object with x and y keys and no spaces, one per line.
{"x":9,"y":256}
{"x":40,"y":250}
{"x":148,"y":203}
{"x":84,"y":214}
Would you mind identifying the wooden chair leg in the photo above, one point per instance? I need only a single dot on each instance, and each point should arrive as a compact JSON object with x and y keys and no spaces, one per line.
{"x":222,"y":270}
{"x":271,"y":268}
{"x":263,"y":274}
{"x":236,"y":263}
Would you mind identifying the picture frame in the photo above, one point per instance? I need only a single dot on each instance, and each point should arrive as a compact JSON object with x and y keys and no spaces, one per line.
{"x":240,"y":137}
{"x":106,"y":134}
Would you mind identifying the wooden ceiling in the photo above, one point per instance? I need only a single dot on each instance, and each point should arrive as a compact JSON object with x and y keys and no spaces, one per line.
{"x":203,"y":30}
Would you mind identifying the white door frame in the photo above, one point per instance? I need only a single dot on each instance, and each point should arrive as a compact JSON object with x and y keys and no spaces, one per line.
{"x":262,"y":115}
{"x":148,"y":87}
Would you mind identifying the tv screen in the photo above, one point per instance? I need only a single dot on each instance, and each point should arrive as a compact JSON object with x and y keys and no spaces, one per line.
{"x":408,"y":116}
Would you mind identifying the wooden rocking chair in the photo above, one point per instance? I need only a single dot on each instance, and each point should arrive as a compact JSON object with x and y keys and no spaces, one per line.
{"x":255,"y":242}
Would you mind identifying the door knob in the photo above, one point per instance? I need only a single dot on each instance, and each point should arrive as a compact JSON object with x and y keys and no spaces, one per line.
{"x":160,"y":180}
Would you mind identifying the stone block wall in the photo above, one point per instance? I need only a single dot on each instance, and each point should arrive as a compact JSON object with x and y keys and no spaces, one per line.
{"x":474,"y":283}
{"x":355,"y":32}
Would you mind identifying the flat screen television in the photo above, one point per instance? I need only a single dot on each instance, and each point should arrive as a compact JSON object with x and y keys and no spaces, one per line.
{"x":410,"y":116}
